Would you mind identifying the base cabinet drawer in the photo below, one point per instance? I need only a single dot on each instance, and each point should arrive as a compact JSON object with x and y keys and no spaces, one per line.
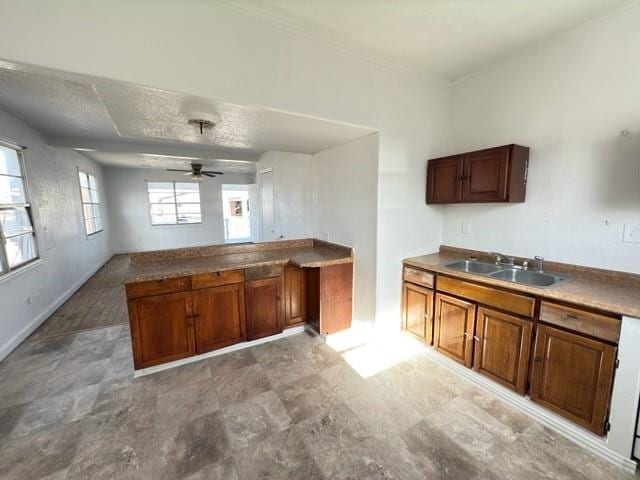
{"x":572,"y":375}
{"x":161,"y":328}
{"x":502,"y":346}
{"x":417,"y":306}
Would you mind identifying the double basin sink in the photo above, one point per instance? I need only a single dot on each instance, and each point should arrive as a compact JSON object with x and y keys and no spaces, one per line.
{"x":510,"y":273}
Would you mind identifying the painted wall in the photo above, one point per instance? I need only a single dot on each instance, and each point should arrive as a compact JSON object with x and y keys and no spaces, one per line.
{"x":345,"y":185}
{"x":292,"y":191}
{"x":568,"y":102}
{"x":131,"y":228}
{"x":256,"y":63}
{"x":72,"y":257}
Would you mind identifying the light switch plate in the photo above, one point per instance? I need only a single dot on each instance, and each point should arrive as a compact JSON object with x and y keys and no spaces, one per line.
{"x":466,"y":228}
{"x":631,"y":233}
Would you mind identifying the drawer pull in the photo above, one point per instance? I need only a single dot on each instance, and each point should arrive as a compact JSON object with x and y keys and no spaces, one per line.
{"x":572,"y":316}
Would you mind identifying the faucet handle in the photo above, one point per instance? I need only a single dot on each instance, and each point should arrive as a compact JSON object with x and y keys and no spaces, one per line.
{"x":540,"y":261}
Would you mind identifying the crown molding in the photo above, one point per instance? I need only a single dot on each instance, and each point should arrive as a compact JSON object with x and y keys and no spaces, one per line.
{"x":330,"y":38}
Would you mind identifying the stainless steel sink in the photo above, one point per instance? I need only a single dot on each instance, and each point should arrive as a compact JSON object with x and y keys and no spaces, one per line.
{"x":509,"y":273}
{"x":536,"y":279}
{"x":473,"y":266}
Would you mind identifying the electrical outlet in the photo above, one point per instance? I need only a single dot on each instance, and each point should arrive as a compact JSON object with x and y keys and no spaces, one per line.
{"x":466,"y":228}
{"x":631,"y":233}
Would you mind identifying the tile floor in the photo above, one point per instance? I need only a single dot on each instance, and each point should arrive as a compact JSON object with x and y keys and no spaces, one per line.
{"x":290,"y":409}
{"x":100,"y":302}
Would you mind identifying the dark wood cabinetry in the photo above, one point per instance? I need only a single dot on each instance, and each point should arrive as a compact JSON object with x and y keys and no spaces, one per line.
{"x":330,"y":297}
{"x":418,"y":311}
{"x":264,"y":307}
{"x":294,"y":296}
{"x":219,"y":317}
{"x":502,"y":345}
{"x":491,"y":175}
{"x":454,"y":325}
{"x":161,"y":328}
{"x":572,"y":375}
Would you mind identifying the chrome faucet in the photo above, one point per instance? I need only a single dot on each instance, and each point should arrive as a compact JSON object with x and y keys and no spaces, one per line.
{"x":502,"y":259}
{"x":540,"y":261}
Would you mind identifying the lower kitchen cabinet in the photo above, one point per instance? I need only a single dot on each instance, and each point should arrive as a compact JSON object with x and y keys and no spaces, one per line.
{"x":161,"y":328}
{"x":418,"y":311}
{"x":454,"y":327}
{"x":264,"y":307}
{"x":572,"y":375}
{"x":502,"y":345}
{"x":294,"y":296}
{"x":219,"y":317}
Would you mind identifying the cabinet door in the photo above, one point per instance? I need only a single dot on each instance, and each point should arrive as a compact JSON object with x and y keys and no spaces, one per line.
{"x":502,"y":345}
{"x":485,"y":175}
{"x":294,"y":296}
{"x":264,"y":307}
{"x":454,"y":326}
{"x":418,"y":311}
{"x":219,"y":316}
{"x":572,"y":375}
{"x":161,"y":328}
{"x":444,"y":180}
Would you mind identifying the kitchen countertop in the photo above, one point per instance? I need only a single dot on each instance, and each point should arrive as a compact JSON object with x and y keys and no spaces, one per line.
{"x":311,"y":255}
{"x":619,"y":293}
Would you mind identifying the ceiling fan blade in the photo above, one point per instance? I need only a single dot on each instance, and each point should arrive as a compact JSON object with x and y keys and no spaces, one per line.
{"x":215,"y":173}
{"x":174,"y":170}
{"x":209,"y":174}
{"x":190,"y":173}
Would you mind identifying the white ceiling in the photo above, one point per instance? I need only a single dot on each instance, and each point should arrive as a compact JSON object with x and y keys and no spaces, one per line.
{"x":124,"y":123}
{"x":449,"y":39}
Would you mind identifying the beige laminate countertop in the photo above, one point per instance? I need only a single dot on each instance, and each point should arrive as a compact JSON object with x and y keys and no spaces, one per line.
{"x":616,"y":297}
{"x":309,"y":256}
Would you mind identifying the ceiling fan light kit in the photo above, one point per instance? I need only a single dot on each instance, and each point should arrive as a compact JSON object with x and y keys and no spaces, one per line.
{"x":196,"y":173}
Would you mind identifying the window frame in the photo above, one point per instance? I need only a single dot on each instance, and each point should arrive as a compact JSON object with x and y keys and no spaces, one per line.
{"x":7,"y":269}
{"x":177,"y":224}
{"x":83,"y":203}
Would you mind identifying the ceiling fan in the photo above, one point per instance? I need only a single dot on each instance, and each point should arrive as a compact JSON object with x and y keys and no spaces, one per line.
{"x":196,"y":173}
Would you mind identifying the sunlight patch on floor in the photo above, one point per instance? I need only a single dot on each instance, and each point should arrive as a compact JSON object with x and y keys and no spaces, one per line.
{"x":379,"y":353}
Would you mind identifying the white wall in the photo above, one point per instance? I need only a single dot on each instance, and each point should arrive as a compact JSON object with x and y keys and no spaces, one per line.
{"x":292,"y":192}
{"x":568,"y":101}
{"x":73,"y":257}
{"x":131,"y":228}
{"x":345,"y":186}
{"x":255,"y":63}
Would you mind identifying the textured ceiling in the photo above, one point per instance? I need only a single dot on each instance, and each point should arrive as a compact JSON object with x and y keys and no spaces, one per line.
{"x":125,"y":121}
{"x":446,"y":38}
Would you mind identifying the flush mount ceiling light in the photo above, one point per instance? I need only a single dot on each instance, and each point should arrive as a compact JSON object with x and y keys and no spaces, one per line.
{"x":204,"y":121}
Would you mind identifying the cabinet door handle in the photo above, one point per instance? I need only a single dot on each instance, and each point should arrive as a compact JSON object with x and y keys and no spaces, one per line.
{"x":477,"y":339}
{"x":466,"y":335}
{"x":537,"y":359}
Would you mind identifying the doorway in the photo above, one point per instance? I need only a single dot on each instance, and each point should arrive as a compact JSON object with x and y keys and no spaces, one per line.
{"x":236,"y":213}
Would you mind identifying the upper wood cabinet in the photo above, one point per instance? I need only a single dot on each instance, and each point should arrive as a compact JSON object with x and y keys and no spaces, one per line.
{"x":572,"y":375}
{"x":492,"y":175}
{"x":502,"y":348}
{"x":418,"y":311}
{"x":454,"y":326}
{"x":264,"y":307}
{"x":161,"y":328}
{"x":294,"y":296}
{"x":219,"y":316}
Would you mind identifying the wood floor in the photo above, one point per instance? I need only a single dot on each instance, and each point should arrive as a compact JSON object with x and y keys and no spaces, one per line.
{"x":100,"y":302}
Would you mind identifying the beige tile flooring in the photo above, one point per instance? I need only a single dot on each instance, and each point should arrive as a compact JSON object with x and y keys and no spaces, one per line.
{"x":98,"y":303}
{"x":290,"y":409}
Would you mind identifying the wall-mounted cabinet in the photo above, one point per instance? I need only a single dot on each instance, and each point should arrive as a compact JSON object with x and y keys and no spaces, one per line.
{"x":491,"y":175}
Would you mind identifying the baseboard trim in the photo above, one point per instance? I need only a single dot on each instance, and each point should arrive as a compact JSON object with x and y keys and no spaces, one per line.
{"x":585,"y":439}
{"x":232,"y":348}
{"x":19,"y":337}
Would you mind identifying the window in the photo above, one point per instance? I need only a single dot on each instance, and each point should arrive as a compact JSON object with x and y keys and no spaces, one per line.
{"x":235,"y":208}
{"x":174,"y":203}
{"x":18,"y":238}
{"x":90,"y":203}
